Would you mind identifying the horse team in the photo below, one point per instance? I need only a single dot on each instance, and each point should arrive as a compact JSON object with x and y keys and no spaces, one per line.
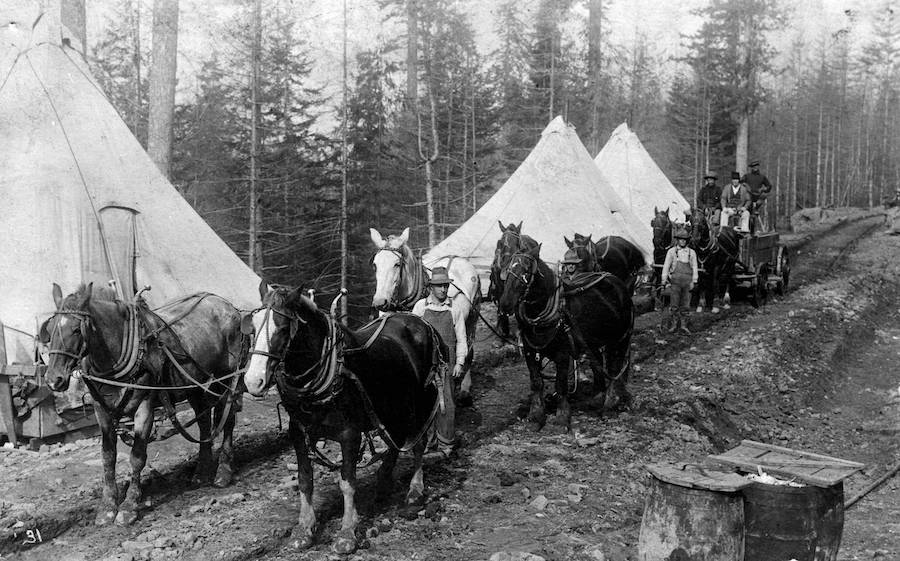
{"x":338,"y":383}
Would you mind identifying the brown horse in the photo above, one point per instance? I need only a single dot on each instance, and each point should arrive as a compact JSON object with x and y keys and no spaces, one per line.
{"x":717,"y":255}
{"x":507,"y":245}
{"x":189,"y":349}
{"x":386,"y":384}
{"x":560,"y":321}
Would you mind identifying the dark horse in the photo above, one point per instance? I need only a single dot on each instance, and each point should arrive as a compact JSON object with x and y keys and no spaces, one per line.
{"x":613,"y":254}
{"x":662,"y":241}
{"x":189,"y":349}
{"x":592,"y":315}
{"x":385,"y":383}
{"x":717,"y":254}
{"x":507,"y":245}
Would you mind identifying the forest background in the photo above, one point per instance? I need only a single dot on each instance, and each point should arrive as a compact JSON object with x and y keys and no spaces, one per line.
{"x":443,"y":99}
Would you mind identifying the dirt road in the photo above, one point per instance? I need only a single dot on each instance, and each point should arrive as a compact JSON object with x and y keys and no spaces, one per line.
{"x":812,"y":370}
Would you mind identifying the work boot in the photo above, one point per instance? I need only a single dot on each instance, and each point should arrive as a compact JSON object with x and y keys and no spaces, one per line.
{"x":699,"y":309}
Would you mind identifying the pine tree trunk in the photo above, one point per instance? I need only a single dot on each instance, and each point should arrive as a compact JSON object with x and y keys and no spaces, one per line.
{"x":135,"y":12}
{"x":819,"y":160}
{"x":741,"y":142}
{"x":345,"y":181}
{"x":255,"y":255}
{"x":412,"y":53}
{"x":162,"y":83}
{"x":595,"y":71}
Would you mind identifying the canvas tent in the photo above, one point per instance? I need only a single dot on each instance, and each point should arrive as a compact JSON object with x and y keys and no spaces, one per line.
{"x":81,"y":200}
{"x":628,"y":167}
{"x":555,"y":192}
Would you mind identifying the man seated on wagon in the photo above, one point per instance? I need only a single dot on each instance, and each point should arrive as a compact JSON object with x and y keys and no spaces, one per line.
{"x":709,"y":199}
{"x":736,"y":201}
{"x":438,"y":310}
{"x":572,"y":264}
{"x":759,"y":187}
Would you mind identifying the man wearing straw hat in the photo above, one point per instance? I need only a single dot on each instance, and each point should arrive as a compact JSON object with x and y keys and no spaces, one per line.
{"x":438,"y":310}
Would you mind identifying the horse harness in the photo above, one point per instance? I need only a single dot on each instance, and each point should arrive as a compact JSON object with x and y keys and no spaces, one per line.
{"x":124,"y":372}
{"x":327,"y":383}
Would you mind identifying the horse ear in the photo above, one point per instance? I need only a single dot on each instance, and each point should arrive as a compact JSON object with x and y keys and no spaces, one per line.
{"x":667,"y":211}
{"x":519,"y":227}
{"x":537,"y":250}
{"x":502,"y":227}
{"x":263,"y":289}
{"x":377,"y":239}
{"x":655,"y":210}
{"x":57,"y":296}
{"x":89,"y":291}
{"x":588,"y":238}
{"x":44,"y":332}
{"x":569,"y":243}
{"x":404,"y":237}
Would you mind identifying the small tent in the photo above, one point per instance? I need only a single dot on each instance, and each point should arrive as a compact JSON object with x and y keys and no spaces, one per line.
{"x":81,"y":200}
{"x":628,"y":167}
{"x":556,"y":191}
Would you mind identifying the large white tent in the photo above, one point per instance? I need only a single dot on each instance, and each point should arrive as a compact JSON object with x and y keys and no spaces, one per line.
{"x":81,"y":200}
{"x":555,"y":192}
{"x":631,"y":171}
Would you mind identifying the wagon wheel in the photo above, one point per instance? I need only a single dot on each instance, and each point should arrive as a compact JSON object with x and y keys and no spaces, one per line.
{"x":782,"y":270}
{"x":758,"y":291}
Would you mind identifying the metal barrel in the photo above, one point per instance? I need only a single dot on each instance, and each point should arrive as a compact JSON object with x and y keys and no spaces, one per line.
{"x":683,"y":523}
{"x":802,"y":523}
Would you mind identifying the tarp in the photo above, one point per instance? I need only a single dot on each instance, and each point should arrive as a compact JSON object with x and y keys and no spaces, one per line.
{"x":556,"y":191}
{"x":631,"y":171}
{"x":81,"y":200}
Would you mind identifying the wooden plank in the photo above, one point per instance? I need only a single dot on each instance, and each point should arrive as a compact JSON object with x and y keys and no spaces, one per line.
{"x":808,"y":467}
{"x":7,"y":412}
{"x":28,"y":370}
{"x":696,"y":476}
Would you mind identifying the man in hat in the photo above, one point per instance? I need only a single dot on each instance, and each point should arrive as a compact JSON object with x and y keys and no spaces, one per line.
{"x":572,"y":264}
{"x":709,"y":199}
{"x":680,"y":269}
{"x":438,"y":310}
{"x":736,"y":201}
{"x":759,"y":187}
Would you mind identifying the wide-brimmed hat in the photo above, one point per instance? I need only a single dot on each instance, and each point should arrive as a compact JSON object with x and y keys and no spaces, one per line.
{"x":710,"y":175}
{"x":439,"y":276}
{"x":735,"y":175}
{"x":681,"y":233}
{"x":754,"y":163}
{"x":571,"y":258}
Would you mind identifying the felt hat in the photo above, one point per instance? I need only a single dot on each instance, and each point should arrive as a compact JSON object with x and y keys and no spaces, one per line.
{"x":571,"y":257}
{"x":681,"y":233}
{"x":439,"y":276}
{"x":710,"y":175}
{"x":735,"y":175}
{"x":754,"y":163}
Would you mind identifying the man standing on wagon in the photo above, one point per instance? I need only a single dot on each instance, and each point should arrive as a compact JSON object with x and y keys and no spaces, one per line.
{"x":438,"y":310}
{"x":759,"y":187}
{"x":736,"y":200}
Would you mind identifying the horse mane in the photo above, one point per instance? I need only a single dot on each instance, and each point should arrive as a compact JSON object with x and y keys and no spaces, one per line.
{"x":527,"y":243}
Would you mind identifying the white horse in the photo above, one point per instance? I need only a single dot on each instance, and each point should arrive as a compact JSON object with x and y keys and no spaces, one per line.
{"x":401,"y":280}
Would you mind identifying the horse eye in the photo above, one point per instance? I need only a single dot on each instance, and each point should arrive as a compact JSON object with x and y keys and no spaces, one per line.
{"x":397,"y":265}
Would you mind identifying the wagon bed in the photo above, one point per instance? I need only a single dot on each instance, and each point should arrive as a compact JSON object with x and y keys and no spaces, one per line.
{"x":763,"y":265}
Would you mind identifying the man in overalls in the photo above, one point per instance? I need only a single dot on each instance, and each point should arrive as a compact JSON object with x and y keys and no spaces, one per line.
{"x":680,"y":269}
{"x":438,"y":310}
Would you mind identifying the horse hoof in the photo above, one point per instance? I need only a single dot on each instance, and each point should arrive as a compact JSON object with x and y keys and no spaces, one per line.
{"x":699,"y":309}
{"x":414,"y":498}
{"x":224,"y":476}
{"x":298,"y":542}
{"x":126,"y":518}
{"x":464,"y":399}
{"x":344,"y":546}
{"x":104,"y":517}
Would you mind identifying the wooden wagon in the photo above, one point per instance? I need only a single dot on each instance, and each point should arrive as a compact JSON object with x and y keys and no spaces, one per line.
{"x":763,"y":265}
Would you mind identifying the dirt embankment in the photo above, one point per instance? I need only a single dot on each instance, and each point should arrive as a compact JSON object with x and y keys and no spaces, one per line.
{"x":774,"y":375}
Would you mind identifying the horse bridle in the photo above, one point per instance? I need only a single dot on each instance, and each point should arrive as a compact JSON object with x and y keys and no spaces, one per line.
{"x":395,"y":302}
{"x":498,"y":252}
{"x":523,"y":278}
{"x":661,"y":230}
{"x":83,"y":326}
{"x":327,"y":364}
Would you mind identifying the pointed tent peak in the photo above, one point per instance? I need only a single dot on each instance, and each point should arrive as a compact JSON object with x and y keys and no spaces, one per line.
{"x":558,"y":125}
{"x":31,"y":22}
{"x":621,"y":130}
